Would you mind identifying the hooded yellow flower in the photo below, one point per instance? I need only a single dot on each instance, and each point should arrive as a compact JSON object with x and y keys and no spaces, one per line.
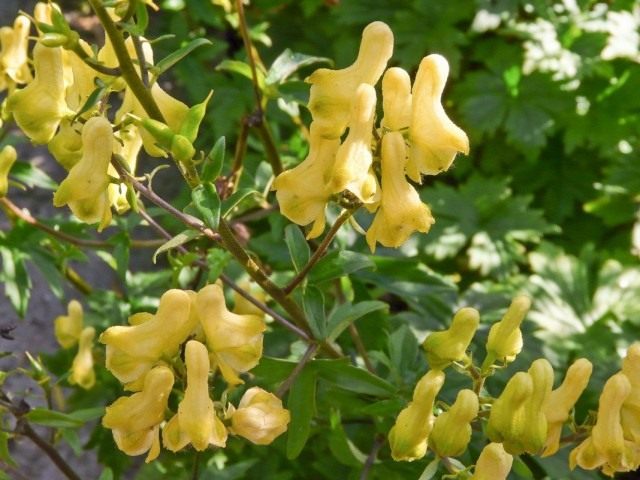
{"x":630,"y":413}
{"x":451,"y":345}
{"x":260,"y":417}
{"x":434,"y":138}
{"x":67,"y":328}
{"x":14,"y":44}
{"x":235,"y":341}
{"x":135,"y":420}
{"x":401,"y":211}
{"x":8,"y":157}
{"x":66,"y":145}
{"x":452,"y":429}
{"x":505,"y":337}
{"x":493,"y":464}
{"x":396,"y":99}
{"x":332,"y":91}
{"x":303,"y":191}
{"x":196,"y":421}
{"x":82,"y":372}
{"x":128,"y":147}
{"x":85,"y":188}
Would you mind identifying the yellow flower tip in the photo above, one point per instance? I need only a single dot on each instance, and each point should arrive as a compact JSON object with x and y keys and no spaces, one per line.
{"x":630,"y":412}
{"x":409,"y":435}
{"x":505,"y":338}
{"x":450,"y":345}
{"x":67,"y":328}
{"x":8,"y":156}
{"x":82,"y":373}
{"x":435,"y":139}
{"x":260,"y":417}
{"x":401,"y":211}
{"x":562,"y":400}
{"x":451,"y":431}
{"x":196,"y":421}
{"x":14,"y":45}
{"x":235,"y":341}
{"x":242,"y":306}
{"x":396,"y":99}
{"x":331,"y":92}
{"x":494,"y":463}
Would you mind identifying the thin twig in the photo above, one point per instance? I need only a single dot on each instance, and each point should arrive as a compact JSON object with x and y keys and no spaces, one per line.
{"x":312,"y":349}
{"x":142,"y":61}
{"x":320,"y":251}
{"x":94,"y":64}
{"x":238,"y":157}
{"x":195,"y":472}
{"x":244,"y":32}
{"x":371,"y":458}
{"x":360,"y":348}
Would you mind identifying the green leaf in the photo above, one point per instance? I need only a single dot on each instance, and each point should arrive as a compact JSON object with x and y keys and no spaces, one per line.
{"x":174,"y":57}
{"x":288,"y":63}
{"x":346,"y":314}
{"x":180,"y":239}
{"x":228,"y":204}
{"x":32,"y":176}
{"x":313,"y":306}
{"x":241,"y":68}
{"x":343,"y":448}
{"x":431,"y":469}
{"x":347,"y":377}
{"x":337,"y":264}
{"x":92,"y":99}
{"x":87,"y":414}
{"x":51,"y":418}
{"x":213,"y":162}
{"x":205,"y":199}
{"x":5,"y":454}
{"x":298,"y":246}
{"x":217,"y":260}
{"x":17,"y":283}
{"x":301,"y":404}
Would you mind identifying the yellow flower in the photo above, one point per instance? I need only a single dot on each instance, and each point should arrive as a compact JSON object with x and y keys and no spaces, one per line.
{"x":242,"y":306}
{"x":128,"y":147}
{"x":235,"y":341}
{"x":332,"y":91}
{"x":302,"y":191}
{"x":396,"y":99}
{"x":260,"y":417}
{"x":85,"y":188}
{"x":505,"y":337}
{"x":630,"y":413}
{"x":451,"y":345}
{"x":401,"y":211}
{"x":8,"y":156}
{"x":452,"y":429}
{"x":66,"y":145}
{"x":82,"y":79}
{"x":39,"y":107}
{"x":508,"y":405}
{"x":14,"y":44}
{"x":408,"y":437}
{"x":134,"y":350}
{"x":434,"y":138}
{"x":352,"y":169}
{"x":196,"y":421}
{"x":562,"y":400}
{"x":493,"y":464}
{"x":135,"y":420}
{"x":82,"y":372}
{"x":67,"y":328}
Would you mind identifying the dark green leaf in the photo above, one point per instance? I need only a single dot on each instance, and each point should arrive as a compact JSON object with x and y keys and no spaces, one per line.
{"x":353,"y":379}
{"x":213,"y":162}
{"x":346,"y":314}
{"x":298,"y":246}
{"x":51,"y":418}
{"x":205,"y":199}
{"x":313,"y":305}
{"x":228,"y":204}
{"x":301,"y":403}
{"x":337,"y":264}
{"x":289,"y":62}
{"x":180,"y":239}
{"x":32,"y":176}
{"x":170,"y":60}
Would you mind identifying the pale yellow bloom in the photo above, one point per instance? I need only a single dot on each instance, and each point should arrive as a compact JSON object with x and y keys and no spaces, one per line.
{"x":128,"y":147}
{"x":8,"y":157}
{"x":82,"y":79}
{"x":562,"y":400}
{"x":396,"y":99}
{"x":452,"y":429}
{"x":493,"y":464}
{"x":352,"y":168}
{"x":67,"y":328}
{"x":332,"y":91}
{"x":630,"y":413}
{"x":508,"y":407}
{"x":66,"y":145}
{"x":82,"y":372}
{"x":505,"y":337}
{"x":196,"y":421}
{"x":234,"y":341}
{"x":260,"y":417}
{"x":401,"y":211}
{"x":135,"y":420}
{"x":451,"y":345}
{"x":14,"y":44}
{"x":42,"y":12}
{"x":39,"y":107}
{"x":303,"y":191}
{"x":85,"y":188}
{"x":434,"y":138}
{"x":242,"y":306}
{"x":133,"y":350}
{"x":408,"y":438}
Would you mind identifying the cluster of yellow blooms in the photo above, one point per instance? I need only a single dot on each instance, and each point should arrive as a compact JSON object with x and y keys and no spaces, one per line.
{"x":52,"y":109}
{"x":146,"y":357}
{"x":529,"y":414}
{"x":69,"y":331}
{"x":415,"y":137}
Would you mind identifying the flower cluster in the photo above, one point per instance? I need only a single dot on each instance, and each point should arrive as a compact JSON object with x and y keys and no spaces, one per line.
{"x":191,"y":335}
{"x":370,"y":165}
{"x":529,"y":415}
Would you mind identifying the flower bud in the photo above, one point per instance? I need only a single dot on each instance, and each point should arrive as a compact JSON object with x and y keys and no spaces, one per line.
{"x":630,"y":413}
{"x":260,"y":417}
{"x":401,"y":211}
{"x":396,"y":99}
{"x":434,"y":138}
{"x":562,"y":400}
{"x":505,"y":337}
{"x":409,"y":435}
{"x":235,"y":341}
{"x":82,"y":372}
{"x":135,"y":420}
{"x":451,"y":345}
{"x":8,"y":156}
{"x":14,"y":47}
{"x":67,"y":328}
{"x":452,"y":429}
{"x":196,"y":421}
{"x":493,"y":464}
{"x":332,"y":91}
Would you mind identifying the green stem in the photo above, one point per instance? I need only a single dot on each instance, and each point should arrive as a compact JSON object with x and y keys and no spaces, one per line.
{"x":98,"y":67}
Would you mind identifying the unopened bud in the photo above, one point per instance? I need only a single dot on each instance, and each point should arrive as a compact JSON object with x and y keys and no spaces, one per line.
{"x":260,"y":417}
{"x":452,"y":429}
{"x":493,"y":464}
{"x":450,"y":345}
{"x":505,"y":337}
{"x":67,"y":328}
